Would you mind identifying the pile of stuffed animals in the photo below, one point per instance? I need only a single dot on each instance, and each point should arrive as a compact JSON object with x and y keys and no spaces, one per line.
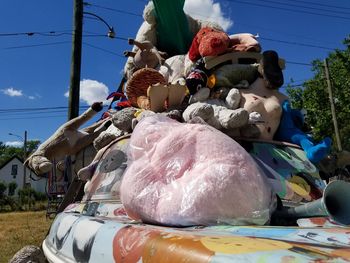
{"x":224,"y":80}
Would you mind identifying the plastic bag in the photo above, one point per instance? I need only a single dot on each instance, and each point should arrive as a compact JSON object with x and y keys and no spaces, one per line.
{"x":192,"y":174}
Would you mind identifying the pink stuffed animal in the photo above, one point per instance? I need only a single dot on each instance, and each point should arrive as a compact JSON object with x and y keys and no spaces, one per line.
{"x":191,"y":174}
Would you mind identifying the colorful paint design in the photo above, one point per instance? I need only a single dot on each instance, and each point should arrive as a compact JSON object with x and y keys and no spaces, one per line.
{"x":97,"y":239}
{"x":290,"y":173}
{"x":105,"y":183}
{"x":98,"y":230}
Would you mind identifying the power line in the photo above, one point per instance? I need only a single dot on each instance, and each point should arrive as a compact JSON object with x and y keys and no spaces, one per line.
{"x":102,"y":49}
{"x":38,"y":45}
{"x":46,"y":33}
{"x":296,"y":43}
{"x":112,"y":9}
{"x":39,"y":109}
{"x":288,"y":9}
{"x":311,"y":8}
{"x":299,"y":63}
{"x":29,"y":118}
{"x":313,"y":3}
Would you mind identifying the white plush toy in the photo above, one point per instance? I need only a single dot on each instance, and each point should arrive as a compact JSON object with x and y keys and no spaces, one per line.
{"x":224,"y":115}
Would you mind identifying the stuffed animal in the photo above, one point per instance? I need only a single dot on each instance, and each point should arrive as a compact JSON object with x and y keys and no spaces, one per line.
{"x":147,"y":89}
{"x":67,"y":140}
{"x":210,"y":42}
{"x":289,"y":132}
{"x":224,"y":115}
{"x":147,"y":54}
{"x":163,"y":22}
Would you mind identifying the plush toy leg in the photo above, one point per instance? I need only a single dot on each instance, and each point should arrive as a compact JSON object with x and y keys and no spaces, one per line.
{"x":233,"y":98}
{"x":143,"y":102}
{"x":40,"y":164}
{"x":270,"y":69}
{"x":177,"y":94}
{"x":230,"y":119}
{"x":157,"y":94}
{"x":315,"y":153}
{"x":198,"y":109}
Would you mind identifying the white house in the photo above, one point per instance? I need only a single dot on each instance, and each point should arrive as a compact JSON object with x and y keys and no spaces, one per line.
{"x":12,"y":171}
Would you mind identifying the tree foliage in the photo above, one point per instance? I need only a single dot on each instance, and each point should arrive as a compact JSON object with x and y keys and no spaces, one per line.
{"x":7,"y":152}
{"x":314,"y":97}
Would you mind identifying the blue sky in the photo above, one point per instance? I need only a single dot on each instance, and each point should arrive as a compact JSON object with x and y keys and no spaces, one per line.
{"x":35,"y":69}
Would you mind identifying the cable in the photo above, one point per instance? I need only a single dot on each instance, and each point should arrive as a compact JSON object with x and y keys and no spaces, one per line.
{"x":39,"y":45}
{"x":288,"y":9}
{"x":112,"y":9}
{"x":296,"y":43}
{"x":312,"y":8}
{"x":299,"y":63}
{"x":46,"y":33}
{"x":102,"y":49}
{"x":29,"y":118}
{"x":44,"y":108}
{"x":313,"y":3}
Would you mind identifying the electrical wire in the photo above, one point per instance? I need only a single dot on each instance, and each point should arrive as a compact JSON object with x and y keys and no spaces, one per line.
{"x":288,"y":9}
{"x":301,"y":6}
{"x":38,"y":45}
{"x":320,"y":4}
{"x":112,"y":9}
{"x":102,"y":49}
{"x":46,"y":33}
{"x":297,"y":43}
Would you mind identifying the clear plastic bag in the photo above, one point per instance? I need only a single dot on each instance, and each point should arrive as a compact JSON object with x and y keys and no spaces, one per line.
{"x":192,"y":174}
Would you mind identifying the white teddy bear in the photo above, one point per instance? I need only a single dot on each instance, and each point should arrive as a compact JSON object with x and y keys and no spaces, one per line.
{"x":223,"y":115}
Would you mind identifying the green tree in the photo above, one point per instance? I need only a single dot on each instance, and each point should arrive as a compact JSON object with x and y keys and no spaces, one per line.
{"x":3,"y":188}
{"x":7,"y":152}
{"x":12,"y":188}
{"x":314,"y":96}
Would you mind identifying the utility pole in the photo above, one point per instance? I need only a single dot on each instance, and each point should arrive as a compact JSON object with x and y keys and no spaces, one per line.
{"x":335,"y":123}
{"x":74,"y":89}
{"x":25,"y":157}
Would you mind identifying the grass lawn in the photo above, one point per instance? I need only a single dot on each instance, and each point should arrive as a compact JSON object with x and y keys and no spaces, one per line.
{"x":18,"y":229}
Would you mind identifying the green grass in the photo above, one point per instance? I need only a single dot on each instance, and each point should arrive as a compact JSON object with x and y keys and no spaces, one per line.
{"x":19,"y":229}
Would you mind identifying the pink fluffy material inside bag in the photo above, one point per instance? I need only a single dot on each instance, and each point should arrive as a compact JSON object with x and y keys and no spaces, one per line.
{"x":191,"y":174}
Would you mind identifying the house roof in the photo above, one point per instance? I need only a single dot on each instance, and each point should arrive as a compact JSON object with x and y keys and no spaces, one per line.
{"x":15,"y":157}
{"x":10,"y":159}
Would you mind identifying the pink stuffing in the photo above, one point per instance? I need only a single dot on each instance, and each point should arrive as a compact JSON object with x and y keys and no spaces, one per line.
{"x":192,"y":174}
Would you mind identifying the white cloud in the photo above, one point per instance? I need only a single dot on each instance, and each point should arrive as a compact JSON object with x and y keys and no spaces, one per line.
{"x":207,"y":10}
{"x":17,"y":144}
{"x":12,"y":92}
{"x":92,"y":91}
{"x":31,"y":97}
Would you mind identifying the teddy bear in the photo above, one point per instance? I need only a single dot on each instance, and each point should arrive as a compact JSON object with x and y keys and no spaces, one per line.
{"x":224,"y":115}
{"x":161,"y":26}
{"x":210,"y":42}
{"x":67,"y":140}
